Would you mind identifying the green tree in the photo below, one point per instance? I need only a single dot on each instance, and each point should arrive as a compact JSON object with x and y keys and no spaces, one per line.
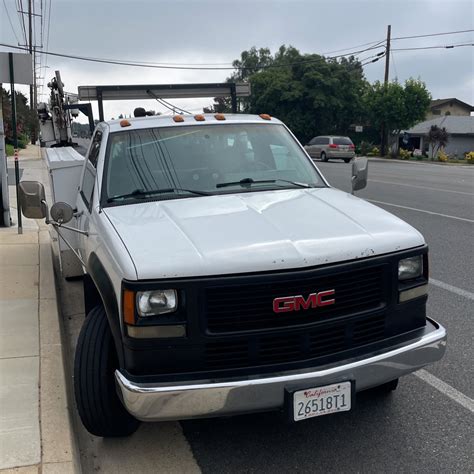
{"x":438,"y":138}
{"x":251,"y":62}
{"x":397,"y":106}
{"x":26,"y":119}
{"x":310,"y":93}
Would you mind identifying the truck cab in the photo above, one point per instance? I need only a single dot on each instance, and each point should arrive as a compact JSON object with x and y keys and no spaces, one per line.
{"x":224,"y":275}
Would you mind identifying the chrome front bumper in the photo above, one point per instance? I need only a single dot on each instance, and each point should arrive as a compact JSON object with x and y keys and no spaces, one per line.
{"x":156,"y":402}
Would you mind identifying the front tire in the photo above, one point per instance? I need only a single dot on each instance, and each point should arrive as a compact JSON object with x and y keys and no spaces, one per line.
{"x":324,"y":157}
{"x":98,"y":404}
{"x":347,"y":160}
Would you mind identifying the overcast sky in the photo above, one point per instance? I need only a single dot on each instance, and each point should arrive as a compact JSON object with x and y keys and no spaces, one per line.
{"x":216,"y":31}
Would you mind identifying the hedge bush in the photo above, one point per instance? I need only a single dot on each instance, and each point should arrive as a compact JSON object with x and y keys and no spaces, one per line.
{"x":10,"y":150}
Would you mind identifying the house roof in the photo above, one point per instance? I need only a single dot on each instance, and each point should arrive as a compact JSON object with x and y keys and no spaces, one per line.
{"x":438,"y":102}
{"x":454,"y":124}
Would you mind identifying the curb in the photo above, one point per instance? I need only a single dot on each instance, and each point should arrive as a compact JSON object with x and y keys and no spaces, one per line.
{"x":421,"y":163}
{"x":59,"y":452}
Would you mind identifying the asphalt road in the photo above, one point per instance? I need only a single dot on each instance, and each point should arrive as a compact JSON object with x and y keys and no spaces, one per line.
{"x":427,"y":425}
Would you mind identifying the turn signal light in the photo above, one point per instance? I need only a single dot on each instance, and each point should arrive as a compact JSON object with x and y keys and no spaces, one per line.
{"x":265,"y":117}
{"x":178,"y":118}
{"x":128,"y":302}
{"x":125,"y":123}
{"x":219,"y":117}
{"x":199,"y":118}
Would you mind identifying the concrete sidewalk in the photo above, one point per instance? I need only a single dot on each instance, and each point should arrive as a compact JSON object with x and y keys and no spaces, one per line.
{"x":35,"y":425}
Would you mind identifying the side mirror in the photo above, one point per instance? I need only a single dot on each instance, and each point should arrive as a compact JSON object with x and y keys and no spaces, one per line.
{"x":33,"y":200}
{"x":61,"y":212}
{"x":360,"y":171}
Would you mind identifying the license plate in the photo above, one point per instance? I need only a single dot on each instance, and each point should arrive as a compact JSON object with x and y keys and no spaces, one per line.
{"x":321,"y":401}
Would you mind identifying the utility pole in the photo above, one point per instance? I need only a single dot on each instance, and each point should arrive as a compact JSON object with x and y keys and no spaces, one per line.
{"x":33,"y":55}
{"x":30,"y":46}
{"x":387,"y":54}
{"x":383,"y":148}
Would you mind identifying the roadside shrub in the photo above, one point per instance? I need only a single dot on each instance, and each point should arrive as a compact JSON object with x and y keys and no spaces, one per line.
{"x":9,"y":149}
{"x":443,"y":157}
{"x":404,"y":154}
{"x":470,"y":157}
{"x":365,"y":148}
{"x":22,"y":144}
{"x":374,"y":152}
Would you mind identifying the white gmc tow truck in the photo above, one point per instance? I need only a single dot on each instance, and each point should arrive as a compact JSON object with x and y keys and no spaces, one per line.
{"x":224,"y":275}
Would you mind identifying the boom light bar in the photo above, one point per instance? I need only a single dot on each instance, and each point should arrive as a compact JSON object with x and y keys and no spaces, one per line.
{"x":163,"y":91}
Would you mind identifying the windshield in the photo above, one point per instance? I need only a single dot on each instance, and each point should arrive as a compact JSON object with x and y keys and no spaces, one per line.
{"x":190,"y":161}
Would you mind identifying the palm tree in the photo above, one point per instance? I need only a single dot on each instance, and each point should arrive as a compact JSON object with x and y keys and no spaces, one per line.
{"x":438,"y":138}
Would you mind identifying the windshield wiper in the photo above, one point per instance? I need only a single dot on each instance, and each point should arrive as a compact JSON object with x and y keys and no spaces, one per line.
{"x":145,"y":192}
{"x":246,"y":182}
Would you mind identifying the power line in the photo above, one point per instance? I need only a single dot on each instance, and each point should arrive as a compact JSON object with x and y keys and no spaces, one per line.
{"x":10,"y":21}
{"x":132,"y":63}
{"x":449,"y":46}
{"x":378,"y":55}
{"x":42,"y":22}
{"x":156,"y":66}
{"x":45,"y":51}
{"x":230,"y":64}
{"x":49,"y":25}
{"x":433,"y":34}
{"x":357,"y":46}
{"x":19,"y":9}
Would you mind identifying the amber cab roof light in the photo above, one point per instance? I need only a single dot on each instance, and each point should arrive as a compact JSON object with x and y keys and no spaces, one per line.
{"x":178,"y":118}
{"x":199,"y":118}
{"x":219,"y":116}
{"x":265,"y":116}
{"x":125,"y":123}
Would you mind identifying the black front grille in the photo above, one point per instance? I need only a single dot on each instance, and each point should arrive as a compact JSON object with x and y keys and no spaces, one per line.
{"x":280,"y":348}
{"x":250,"y":307}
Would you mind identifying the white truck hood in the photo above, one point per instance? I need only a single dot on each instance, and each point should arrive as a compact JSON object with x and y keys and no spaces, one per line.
{"x":257,"y":231}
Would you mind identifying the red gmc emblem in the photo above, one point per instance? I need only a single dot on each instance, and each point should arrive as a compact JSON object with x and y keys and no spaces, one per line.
{"x":297,"y":303}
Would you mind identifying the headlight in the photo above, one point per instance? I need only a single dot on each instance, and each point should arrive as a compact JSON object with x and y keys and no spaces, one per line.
{"x":152,"y":303}
{"x":410,"y":268}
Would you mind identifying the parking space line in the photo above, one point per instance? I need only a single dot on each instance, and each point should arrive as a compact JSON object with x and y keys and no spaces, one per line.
{"x":453,"y":289}
{"x":422,"y":210}
{"x":421,"y":187}
{"x":446,"y":389}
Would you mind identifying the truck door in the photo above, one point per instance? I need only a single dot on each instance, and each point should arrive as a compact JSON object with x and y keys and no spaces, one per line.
{"x":87,"y":189}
